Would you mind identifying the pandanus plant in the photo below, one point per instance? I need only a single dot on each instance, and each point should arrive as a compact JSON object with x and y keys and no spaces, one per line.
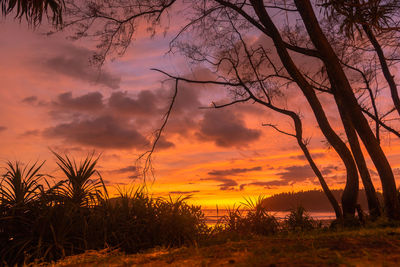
{"x":79,"y":188}
{"x":257,"y":219}
{"x":20,"y":186}
{"x":20,"y":192}
{"x":34,"y":10}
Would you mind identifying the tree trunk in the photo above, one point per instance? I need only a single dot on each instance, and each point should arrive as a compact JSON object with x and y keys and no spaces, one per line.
{"x":299,"y":137}
{"x":351,"y":185}
{"x":344,"y":92}
{"x":319,"y":113}
{"x":324,"y":185}
{"x":373,"y":203}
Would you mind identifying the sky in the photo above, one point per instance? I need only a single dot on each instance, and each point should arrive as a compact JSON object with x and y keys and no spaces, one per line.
{"x":51,"y":98}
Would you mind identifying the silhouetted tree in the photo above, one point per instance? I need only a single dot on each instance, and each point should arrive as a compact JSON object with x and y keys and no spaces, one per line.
{"x":347,"y":101}
{"x":249,"y":84}
{"x":119,"y":20}
{"x":374,"y":18}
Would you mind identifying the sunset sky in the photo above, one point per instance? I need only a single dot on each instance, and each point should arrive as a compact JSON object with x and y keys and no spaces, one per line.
{"x":51,"y":98}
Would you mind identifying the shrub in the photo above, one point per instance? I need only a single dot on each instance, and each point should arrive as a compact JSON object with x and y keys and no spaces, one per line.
{"x":76,"y":214}
{"x":80,"y":189}
{"x":299,"y":220}
{"x":250,"y":218}
{"x":136,"y":221}
{"x":20,"y":191}
{"x":258,"y":219}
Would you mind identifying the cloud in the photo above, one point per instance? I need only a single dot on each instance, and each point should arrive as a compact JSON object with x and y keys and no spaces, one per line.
{"x":93,"y":120}
{"x":234,"y":171}
{"x":164,"y":143}
{"x":144,"y":104}
{"x":30,"y":99}
{"x":339,"y":179}
{"x":102,"y":132}
{"x":3,"y":128}
{"x":292,"y":174}
{"x":225,"y":183}
{"x":31,"y":133}
{"x":184,"y":192}
{"x":187,"y":100}
{"x":267,"y":184}
{"x":124,"y":170}
{"x":329,"y":169}
{"x":108,"y":182}
{"x":91,"y":102}
{"x":73,"y":61}
{"x":296,"y":173}
{"x":226,"y":129}
{"x":313,"y":155}
{"x":90,"y":120}
{"x":185,"y":114}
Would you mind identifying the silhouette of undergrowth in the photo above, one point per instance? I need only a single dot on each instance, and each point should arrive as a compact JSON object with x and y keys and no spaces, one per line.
{"x":48,"y":222}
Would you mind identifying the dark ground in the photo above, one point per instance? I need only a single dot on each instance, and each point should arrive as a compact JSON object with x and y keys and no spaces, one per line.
{"x":365,"y":247}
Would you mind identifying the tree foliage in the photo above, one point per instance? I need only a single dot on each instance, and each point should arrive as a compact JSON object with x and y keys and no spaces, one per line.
{"x":381,"y":15}
{"x":33,"y":11}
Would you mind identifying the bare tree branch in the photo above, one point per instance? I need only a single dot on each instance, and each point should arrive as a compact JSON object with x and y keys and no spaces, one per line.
{"x":147,"y":156}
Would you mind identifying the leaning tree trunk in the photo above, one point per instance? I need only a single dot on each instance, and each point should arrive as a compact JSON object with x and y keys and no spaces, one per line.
{"x":348,"y":197}
{"x":299,"y":137}
{"x":319,"y":113}
{"x":373,"y":203}
{"x":344,"y":92}
{"x":324,"y":185}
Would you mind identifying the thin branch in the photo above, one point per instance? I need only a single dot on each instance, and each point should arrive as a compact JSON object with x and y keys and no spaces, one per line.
{"x":384,"y":125}
{"x":200,"y":82}
{"x":279,"y":130}
{"x":231,"y":103}
{"x":148,"y":154}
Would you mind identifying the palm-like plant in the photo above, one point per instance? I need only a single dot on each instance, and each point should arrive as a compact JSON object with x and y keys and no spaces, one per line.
{"x":20,"y":186}
{"x":352,"y":15}
{"x":79,"y":189}
{"x":20,"y":192}
{"x":33,"y":10}
{"x":258,"y":219}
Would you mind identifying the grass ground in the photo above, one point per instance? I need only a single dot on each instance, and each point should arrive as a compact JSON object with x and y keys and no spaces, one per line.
{"x":364,"y":247}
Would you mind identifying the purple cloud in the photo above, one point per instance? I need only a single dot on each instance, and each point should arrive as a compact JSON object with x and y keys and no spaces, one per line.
{"x":101,"y":132}
{"x":226,"y":129}
{"x":234,"y":171}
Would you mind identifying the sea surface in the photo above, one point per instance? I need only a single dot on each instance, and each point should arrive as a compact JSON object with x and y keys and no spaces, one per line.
{"x":213,"y":215}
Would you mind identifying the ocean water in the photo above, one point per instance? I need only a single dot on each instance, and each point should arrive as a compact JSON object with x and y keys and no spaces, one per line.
{"x":213,"y":215}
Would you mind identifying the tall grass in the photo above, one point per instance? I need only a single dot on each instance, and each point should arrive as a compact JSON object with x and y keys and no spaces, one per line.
{"x":48,"y":222}
{"x":249,"y":218}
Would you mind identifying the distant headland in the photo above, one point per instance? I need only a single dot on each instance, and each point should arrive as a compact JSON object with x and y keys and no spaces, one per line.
{"x":312,"y":200}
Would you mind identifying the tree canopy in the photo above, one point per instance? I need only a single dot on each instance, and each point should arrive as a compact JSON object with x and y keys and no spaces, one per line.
{"x":33,"y":11}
